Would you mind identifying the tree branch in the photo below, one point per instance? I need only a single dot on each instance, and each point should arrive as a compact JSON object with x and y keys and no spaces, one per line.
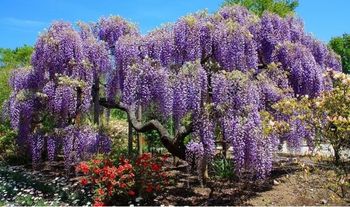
{"x":112,"y":105}
{"x":175,"y":145}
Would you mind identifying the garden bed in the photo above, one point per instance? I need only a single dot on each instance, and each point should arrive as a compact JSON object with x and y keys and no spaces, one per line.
{"x":291,"y":183}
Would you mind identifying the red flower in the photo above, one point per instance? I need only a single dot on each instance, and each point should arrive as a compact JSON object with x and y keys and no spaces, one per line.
{"x":84,"y":167}
{"x":100,"y":191}
{"x":97,"y":171}
{"x":110,"y":190}
{"x":113,"y":182}
{"x":98,"y":203}
{"x":120,"y":169}
{"x":109,"y":172}
{"x":146,"y":156}
{"x":84,"y":181}
{"x":127,"y":166}
{"x":131,"y":193}
{"x":107,"y":162}
{"x":149,"y":189}
{"x":155,"y":167}
{"x":96,"y":161}
{"x":122,"y":185}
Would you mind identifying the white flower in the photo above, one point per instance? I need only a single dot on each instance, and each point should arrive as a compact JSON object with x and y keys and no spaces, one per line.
{"x":318,"y":104}
{"x":337,"y":75}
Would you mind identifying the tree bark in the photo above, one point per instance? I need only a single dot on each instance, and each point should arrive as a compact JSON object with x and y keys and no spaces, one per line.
{"x":174,"y":144}
{"x":336,"y":154}
{"x":224,"y":148}
{"x":108,"y":116}
{"x":139,"y":141}
{"x":130,"y":138}
{"x":96,"y":98}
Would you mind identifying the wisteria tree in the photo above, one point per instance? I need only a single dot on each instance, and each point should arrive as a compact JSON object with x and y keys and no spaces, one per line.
{"x":211,"y":77}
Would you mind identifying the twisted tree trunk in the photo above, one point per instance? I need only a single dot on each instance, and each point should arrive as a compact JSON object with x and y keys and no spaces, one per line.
{"x":174,"y":144}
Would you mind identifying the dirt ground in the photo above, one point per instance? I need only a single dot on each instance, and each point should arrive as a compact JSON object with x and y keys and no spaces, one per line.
{"x":292,"y":182}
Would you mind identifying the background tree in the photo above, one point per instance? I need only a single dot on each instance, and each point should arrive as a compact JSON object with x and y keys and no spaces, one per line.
{"x":280,"y":7}
{"x":18,"y":57}
{"x":10,"y":59}
{"x":5,"y":89}
{"x":341,"y":45}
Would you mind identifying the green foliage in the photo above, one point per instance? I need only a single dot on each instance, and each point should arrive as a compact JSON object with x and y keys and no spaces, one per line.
{"x":10,"y":59}
{"x":18,"y":57}
{"x":336,"y":105}
{"x":118,"y":114}
{"x":280,"y":7}
{"x":153,"y":140}
{"x":223,"y":168}
{"x":341,"y":45}
{"x":4,"y":84}
{"x":7,"y":138}
{"x":120,"y":152}
{"x":29,"y":200}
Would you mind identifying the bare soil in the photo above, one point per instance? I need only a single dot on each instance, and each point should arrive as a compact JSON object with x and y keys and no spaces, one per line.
{"x":292,"y":182}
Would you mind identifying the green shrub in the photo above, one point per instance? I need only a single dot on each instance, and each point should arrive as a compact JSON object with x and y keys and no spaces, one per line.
{"x":223,"y":167}
{"x":118,"y":114}
{"x":7,"y":139}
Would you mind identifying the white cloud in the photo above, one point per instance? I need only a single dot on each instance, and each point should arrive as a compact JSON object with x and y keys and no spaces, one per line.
{"x":27,"y":23}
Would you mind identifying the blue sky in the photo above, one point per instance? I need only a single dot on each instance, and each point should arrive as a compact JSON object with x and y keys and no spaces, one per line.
{"x":21,"y":20}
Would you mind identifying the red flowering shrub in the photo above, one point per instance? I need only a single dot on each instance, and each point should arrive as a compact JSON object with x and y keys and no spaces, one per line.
{"x":110,"y":180}
{"x":105,"y":179}
{"x":151,"y":177}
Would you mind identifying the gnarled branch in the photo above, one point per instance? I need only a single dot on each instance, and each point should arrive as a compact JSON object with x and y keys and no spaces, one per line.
{"x":174,"y":144}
